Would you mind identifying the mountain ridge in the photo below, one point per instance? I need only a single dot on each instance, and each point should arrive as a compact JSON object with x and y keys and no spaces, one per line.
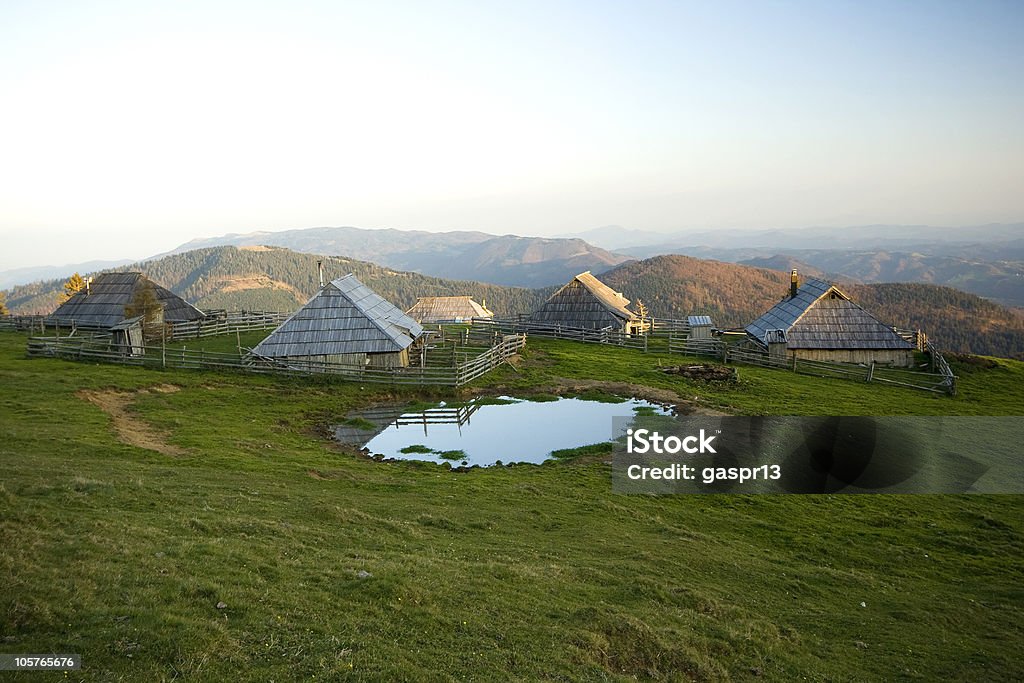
{"x":510,"y":260}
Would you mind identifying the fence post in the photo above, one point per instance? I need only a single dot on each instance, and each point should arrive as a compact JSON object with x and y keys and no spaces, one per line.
{"x":794,"y":362}
{"x":871,"y":372}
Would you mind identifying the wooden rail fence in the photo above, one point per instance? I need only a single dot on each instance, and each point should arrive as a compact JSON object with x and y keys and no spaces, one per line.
{"x":464,"y":361}
{"x":22,"y":323}
{"x":524,"y":326}
{"x":97,"y":348}
{"x":943,"y":381}
{"x":678,"y":340}
{"x":226,"y":323}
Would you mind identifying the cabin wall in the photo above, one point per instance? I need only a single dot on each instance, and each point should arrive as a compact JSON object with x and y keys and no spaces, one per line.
{"x":389,"y":360}
{"x":777,"y":351}
{"x":901,"y":358}
{"x":378,"y":361}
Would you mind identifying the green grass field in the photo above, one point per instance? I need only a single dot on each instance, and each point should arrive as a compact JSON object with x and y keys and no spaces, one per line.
{"x":122,"y":554}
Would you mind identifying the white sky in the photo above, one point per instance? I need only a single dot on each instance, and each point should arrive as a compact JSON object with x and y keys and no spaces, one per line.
{"x":127,"y":128}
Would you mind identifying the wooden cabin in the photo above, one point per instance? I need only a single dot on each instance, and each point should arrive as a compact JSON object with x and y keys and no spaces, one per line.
{"x":345,"y":323}
{"x":587,"y":303}
{"x":101,"y":304}
{"x":816,"y":321}
{"x":447,"y":309}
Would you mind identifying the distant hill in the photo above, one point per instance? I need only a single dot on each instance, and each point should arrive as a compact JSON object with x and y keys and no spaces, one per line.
{"x":674,"y":286}
{"x":617,"y":237}
{"x":464,"y":255}
{"x":271,"y":278}
{"x":1002,"y":281}
{"x":277,"y":279}
{"x":996,"y":272}
{"x":987,"y":260}
{"x":987,"y":242}
{"x":17,"y":276}
{"x":785,"y":264}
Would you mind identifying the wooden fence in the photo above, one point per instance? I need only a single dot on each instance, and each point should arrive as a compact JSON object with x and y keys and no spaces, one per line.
{"x":943,"y":381}
{"x":223,"y":322}
{"x":97,"y":348}
{"x":676,"y":334}
{"x":483,"y":346}
{"x":226,"y":323}
{"x":522,"y":325}
{"x":22,"y":323}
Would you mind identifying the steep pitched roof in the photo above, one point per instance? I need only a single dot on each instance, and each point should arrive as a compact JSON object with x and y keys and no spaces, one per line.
{"x":344,"y":317}
{"x":822,"y":317}
{"x":102,"y":304}
{"x":436,"y":309}
{"x":585,"y":302}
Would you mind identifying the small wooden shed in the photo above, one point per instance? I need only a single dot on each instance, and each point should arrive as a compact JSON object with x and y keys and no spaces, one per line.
{"x":345,"y":323}
{"x":587,"y":303}
{"x":102,"y":303}
{"x":700,"y":326}
{"x":126,"y":337}
{"x":816,"y":321}
{"x":447,"y":309}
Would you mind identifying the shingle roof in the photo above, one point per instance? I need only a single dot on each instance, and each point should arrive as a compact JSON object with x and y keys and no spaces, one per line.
{"x":822,"y":317}
{"x":699,"y":320}
{"x":344,"y":317}
{"x":585,"y":302}
{"x":128,"y":323}
{"x":440,"y":309}
{"x":102,"y":305}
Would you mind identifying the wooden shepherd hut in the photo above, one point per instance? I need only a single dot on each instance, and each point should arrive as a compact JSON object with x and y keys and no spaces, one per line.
{"x":587,"y":303}
{"x":447,"y":309}
{"x":345,"y":323}
{"x":101,"y":304}
{"x":816,"y":321}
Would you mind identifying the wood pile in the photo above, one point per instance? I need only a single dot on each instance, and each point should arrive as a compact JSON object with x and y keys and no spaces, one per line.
{"x":703,"y":372}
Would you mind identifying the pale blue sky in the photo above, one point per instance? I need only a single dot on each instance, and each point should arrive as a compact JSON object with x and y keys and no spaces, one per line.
{"x":129,"y":127}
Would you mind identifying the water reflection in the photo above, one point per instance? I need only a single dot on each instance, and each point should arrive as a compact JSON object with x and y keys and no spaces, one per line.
{"x":486,"y":431}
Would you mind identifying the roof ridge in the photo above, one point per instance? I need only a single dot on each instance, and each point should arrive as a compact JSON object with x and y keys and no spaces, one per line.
{"x":814,"y":303}
{"x":371,"y":318}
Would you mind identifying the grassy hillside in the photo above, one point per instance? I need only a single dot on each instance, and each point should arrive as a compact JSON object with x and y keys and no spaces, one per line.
{"x":733,"y":295}
{"x":122,"y":553}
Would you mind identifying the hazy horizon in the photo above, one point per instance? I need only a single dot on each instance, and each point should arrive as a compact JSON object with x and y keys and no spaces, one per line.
{"x":130,"y":129}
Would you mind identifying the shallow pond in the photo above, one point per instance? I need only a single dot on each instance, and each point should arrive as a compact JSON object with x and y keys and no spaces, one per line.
{"x":487,"y":431}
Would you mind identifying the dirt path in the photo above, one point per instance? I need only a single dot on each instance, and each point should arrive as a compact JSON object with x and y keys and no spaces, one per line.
{"x":130,"y":428}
